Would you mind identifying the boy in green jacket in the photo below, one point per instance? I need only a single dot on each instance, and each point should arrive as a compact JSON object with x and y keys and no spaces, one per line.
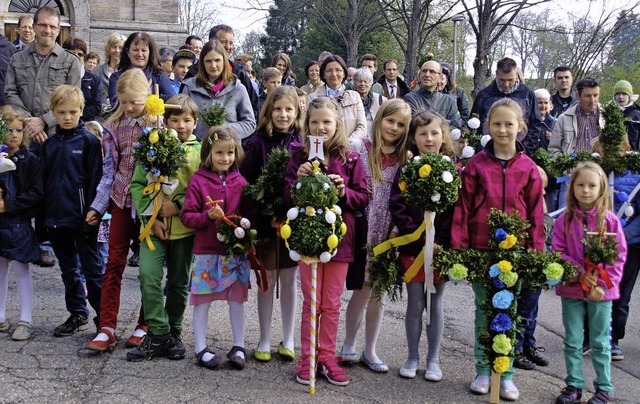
{"x":172,"y":242}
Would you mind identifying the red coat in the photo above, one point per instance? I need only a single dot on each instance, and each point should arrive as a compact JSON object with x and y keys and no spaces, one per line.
{"x":487,"y":184}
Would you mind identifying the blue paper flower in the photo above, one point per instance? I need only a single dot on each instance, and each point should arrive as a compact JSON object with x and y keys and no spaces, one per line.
{"x":498,"y":283}
{"x":501,"y":323}
{"x":623,"y":222}
{"x":146,"y":131}
{"x":502,"y":300}
{"x":573,"y":154}
{"x":494,"y":271}
{"x":3,"y":148}
{"x":501,"y":234}
{"x":145,"y":167}
{"x":155,"y":172}
{"x":553,"y":283}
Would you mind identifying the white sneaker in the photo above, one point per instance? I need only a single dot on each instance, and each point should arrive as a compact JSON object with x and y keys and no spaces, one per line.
{"x":408,"y":370}
{"x":433,"y":372}
{"x":480,"y":385}
{"x":508,"y":390}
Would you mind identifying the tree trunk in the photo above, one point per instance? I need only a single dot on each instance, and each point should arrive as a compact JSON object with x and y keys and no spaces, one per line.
{"x":480,"y":67}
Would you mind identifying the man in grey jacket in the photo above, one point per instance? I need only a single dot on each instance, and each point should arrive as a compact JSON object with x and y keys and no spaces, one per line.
{"x":427,"y":98}
{"x":36,"y":71}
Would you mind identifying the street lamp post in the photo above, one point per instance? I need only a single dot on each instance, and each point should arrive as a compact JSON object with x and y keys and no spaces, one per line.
{"x":456,"y":18}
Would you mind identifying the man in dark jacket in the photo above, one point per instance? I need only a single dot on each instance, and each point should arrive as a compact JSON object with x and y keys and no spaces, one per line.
{"x":507,"y":85}
{"x":391,"y":83}
{"x":224,"y":34}
{"x":6,"y":50}
{"x":429,"y":99}
{"x":564,"y":96}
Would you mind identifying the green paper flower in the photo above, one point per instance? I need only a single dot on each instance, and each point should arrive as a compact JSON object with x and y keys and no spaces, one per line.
{"x":501,"y":344}
{"x":553,"y":271}
{"x":458,"y":272}
{"x":508,"y":278}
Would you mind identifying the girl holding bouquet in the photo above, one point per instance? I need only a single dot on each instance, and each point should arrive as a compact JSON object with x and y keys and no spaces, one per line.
{"x":500,"y":177}
{"x":428,"y":133}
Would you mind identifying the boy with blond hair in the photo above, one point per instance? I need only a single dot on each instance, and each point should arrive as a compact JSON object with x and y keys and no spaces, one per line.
{"x":72,"y":163}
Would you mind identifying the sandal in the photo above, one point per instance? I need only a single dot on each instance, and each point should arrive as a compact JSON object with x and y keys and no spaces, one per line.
{"x":22,"y":332}
{"x":236,"y":360}
{"x":213,"y":363}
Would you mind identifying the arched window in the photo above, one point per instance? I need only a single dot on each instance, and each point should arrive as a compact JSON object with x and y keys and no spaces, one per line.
{"x":31,"y":6}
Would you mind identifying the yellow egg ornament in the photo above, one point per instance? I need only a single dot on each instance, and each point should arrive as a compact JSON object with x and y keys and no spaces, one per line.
{"x":424,"y":171}
{"x":154,"y":137}
{"x":332,"y":241}
{"x":285,"y":231}
{"x":343,"y":228}
{"x":402,"y":186}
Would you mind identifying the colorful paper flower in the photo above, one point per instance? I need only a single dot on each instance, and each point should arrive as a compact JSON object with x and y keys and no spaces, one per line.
{"x":509,"y":278}
{"x":553,"y":283}
{"x":154,"y":105}
{"x":494,"y":271}
{"x":501,"y":323}
{"x":553,"y":271}
{"x":509,"y":242}
{"x":505,"y":266}
{"x":502,"y":300}
{"x":424,"y":171}
{"x":500,"y":235}
{"x":498,"y":283}
{"x":458,"y":272}
{"x":501,"y":364}
{"x":501,"y":344}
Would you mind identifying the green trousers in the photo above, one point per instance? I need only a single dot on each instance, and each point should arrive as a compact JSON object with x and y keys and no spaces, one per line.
{"x":165,"y":316}
{"x":599,"y":316}
{"x":482,"y":325}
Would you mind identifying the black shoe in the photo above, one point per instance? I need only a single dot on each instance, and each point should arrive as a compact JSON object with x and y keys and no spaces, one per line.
{"x":177,"y":350}
{"x":522,"y":362}
{"x":47,"y":259}
{"x":569,"y":395}
{"x":134,"y":260}
{"x":238,"y":361}
{"x":601,"y":397}
{"x":616,"y":352}
{"x":153,"y":346}
{"x":75,"y":322}
{"x":533,"y":354}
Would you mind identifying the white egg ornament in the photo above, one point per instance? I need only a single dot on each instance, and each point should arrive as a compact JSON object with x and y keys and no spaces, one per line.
{"x":455,"y":134}
{"x":294,"y":255}
{"x":435,"y":197}
{"x":325,"y":257}
{"x":298,"y":185}
{"x":325,"y":186}
{"x":468,"y":152}
{"x":292,"y":214}
{"x":629,"y":211}
{"x":473,"y":123}
{"x":416,"y":159}
{"x":447,"y":177}
{"x":337,"y":209}
{"x":446,"y":158}
{"x":220,"y":237}
{"x":173,"y":133}
{"x":484,"y":140}
{"x":245,"y":223}
{"x":595,"y":154}
{"x":239,"y":232}
{"x":330,"y":217}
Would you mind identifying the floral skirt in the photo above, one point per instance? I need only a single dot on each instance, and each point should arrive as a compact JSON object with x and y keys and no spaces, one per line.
{"x":219,"y":277}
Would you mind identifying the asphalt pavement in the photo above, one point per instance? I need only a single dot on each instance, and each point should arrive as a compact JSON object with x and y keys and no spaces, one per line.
{"x":49,"y":369}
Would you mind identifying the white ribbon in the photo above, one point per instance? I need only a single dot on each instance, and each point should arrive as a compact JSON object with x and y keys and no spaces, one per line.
{"x":168,"y":187}
{"x":6,"y":164}
{"x":429,"y":284}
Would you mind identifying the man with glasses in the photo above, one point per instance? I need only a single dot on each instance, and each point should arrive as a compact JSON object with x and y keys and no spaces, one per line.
{"x":427,"y":98}
{"x":33,"y":74}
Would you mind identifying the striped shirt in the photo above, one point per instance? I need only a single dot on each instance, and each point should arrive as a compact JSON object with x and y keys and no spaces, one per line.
{"x":587,"y":128}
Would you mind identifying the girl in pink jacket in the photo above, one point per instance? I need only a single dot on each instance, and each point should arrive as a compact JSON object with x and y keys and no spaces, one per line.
{"x":588,"y":209}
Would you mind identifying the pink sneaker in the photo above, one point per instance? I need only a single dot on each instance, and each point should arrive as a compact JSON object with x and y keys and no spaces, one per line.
{"x":302,"y":375}
{"x":334,"y":373}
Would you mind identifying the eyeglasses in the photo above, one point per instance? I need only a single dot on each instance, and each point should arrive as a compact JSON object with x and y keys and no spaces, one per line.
{"x":45,"y":26}
{"x":18,"y":130}
{"x":362,"y":82}
{"x":78,"y":54}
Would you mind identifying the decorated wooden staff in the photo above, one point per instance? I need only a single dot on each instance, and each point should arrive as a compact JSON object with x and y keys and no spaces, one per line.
{"x":310,"y":231}
{"x":160,"y":154}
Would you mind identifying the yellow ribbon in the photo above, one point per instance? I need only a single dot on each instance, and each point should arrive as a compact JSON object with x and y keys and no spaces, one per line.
{"x":151,"y":189}
{"x":404,"y":240}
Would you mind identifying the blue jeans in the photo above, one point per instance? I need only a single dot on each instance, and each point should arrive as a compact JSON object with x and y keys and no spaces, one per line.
{"x":103,"y":254}
{"x":78,"y":256}
{"x":528,"y":312}
{"x":620,"y":307}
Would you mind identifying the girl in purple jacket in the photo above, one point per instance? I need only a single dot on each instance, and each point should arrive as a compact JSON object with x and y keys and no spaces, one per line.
{"x":588,"y":209}
{"x":345,"y":169}
{"x":428,"y":133}
{"x":501,"y":177}
{"x":216,"y":275}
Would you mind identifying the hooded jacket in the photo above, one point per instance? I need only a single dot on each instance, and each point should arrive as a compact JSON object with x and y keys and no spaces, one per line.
{"x":567,"y":241}
{"x":72,"y":163}
{"x":139,"y":181}
{"x":227,"y":188}
{"x":487,"y":184}
{"x":27,"y":179}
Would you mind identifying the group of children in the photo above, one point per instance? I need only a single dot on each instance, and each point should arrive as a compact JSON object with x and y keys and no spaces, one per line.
{"x":76,"y":188}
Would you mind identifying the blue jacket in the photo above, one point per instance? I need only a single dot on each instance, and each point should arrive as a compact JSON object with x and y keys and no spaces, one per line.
{"x":632,"y":112}
{"x":72,"y":163}
{"x":21,"y":201}
{"x":161,"y":79}
{"x":91,"y":87}
{"x":526,"y":98}
{"x":626,"y":183}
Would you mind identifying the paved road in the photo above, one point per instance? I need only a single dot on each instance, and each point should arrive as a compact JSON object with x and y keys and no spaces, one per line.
{"x":49,"y":369}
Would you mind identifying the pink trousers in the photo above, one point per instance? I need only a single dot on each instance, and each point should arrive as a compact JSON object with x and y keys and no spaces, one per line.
{"x":330,"y":284}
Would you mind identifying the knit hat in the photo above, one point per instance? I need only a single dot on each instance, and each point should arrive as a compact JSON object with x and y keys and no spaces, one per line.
{"x":184,"y":54}
{"x":624,"y":87}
